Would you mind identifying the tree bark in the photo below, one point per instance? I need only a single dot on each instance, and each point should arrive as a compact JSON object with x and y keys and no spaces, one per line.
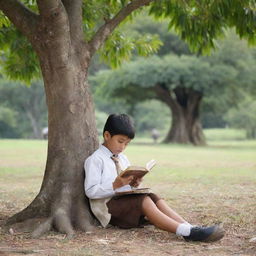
{"x":184,"y":104}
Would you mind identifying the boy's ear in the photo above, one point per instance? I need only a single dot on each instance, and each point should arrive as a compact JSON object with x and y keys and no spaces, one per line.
{"x":106,"y":135}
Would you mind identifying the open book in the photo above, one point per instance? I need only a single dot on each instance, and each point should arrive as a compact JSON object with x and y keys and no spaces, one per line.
{"x":137,"y":172}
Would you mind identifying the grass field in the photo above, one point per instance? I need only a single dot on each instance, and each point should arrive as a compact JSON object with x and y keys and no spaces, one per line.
{"x":206,"y":185}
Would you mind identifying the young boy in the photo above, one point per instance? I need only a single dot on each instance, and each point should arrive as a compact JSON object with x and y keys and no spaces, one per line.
{"x":101,"y":181}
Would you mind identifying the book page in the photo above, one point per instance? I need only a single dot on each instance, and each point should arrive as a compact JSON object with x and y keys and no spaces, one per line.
{"x":150,"y":164}
{"x":134,"y":191}
{"x":123,"y":189}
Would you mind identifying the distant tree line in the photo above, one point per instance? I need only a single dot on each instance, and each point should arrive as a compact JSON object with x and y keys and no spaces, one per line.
{"x":23,"y":111}
{"x":224,"y":82}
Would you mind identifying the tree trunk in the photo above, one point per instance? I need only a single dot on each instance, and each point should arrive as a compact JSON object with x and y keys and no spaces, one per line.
{"x":72,"y":137}
{"x":56,"y":33}
{"x":186,"y":126}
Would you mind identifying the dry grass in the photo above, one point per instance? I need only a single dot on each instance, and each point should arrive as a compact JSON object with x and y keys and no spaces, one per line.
{"x":204,"y":184}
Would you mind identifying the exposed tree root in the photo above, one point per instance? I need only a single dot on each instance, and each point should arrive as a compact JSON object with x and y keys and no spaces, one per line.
{"x":66,"y":217}
{"x":44,"y":227}
{"x":83,"y":219}
{"x":25,"y":226}
{"x":62,"y":222}
{"x":67,"y":212}
{"x":34,"y":210}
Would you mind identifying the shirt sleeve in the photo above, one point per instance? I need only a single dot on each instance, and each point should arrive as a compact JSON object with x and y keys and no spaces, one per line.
{"x":94,"y":188}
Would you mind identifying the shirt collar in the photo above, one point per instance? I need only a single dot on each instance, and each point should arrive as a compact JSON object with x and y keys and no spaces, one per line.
{"x":106,"y":151}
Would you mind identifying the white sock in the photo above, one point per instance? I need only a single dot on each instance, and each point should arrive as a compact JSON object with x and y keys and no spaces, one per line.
{"x":188,"y":224}
{"x":183,"y":229}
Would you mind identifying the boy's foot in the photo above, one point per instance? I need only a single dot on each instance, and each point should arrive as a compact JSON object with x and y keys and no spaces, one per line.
{"x":205,"y":234}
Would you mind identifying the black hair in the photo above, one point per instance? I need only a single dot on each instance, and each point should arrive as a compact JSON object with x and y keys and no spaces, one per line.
{"x":120,"y":124}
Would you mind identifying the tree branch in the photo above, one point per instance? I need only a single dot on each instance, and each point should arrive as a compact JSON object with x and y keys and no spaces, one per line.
{"x":164,"y":95}
{"x":54,"y":24}
{"x":105,"y":30}
{"x":46,"y":6}
{"x":23,"y":18}
{"x":74,"y":11}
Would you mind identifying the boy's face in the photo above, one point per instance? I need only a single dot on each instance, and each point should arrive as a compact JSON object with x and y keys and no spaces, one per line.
{"x":116,"y":143}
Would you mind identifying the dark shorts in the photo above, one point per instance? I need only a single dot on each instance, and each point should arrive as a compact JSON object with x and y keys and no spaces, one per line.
{"x":126,"y":211}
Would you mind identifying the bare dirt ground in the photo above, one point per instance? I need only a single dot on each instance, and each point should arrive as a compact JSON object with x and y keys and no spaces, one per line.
{"x":225,"y":193}
{"x":238,"y":223}
{"x":144,"y":241}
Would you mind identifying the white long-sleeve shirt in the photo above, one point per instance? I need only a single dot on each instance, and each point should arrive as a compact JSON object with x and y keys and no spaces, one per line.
{"x":100,"y":173}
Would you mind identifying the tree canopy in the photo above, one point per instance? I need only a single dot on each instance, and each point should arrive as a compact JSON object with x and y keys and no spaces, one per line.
{"x":197,"y":22}
{"x":135,"y":81}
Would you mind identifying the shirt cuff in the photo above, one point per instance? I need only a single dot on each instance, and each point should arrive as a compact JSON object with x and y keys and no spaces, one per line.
{"x":124,"y":188}
{"x":108,"y":186}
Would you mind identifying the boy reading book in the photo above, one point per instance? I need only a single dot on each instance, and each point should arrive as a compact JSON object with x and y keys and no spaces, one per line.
{"x":137,"y":172}
{"x":103,"y":181}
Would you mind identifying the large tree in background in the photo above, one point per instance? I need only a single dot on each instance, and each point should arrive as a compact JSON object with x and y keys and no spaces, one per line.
{"x":179,"y":82}
{"x":65,"y":34}
{"x":182,"y":83}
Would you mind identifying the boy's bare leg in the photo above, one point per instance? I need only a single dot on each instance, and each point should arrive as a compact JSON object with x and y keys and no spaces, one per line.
{"x":164,"y":208}
{"x":157,"y":217}
{"x":164,"y":222}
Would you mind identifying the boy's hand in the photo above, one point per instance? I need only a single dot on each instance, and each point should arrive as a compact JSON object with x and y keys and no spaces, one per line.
{"x":121,"y":181}
{"x":136,"y":182}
